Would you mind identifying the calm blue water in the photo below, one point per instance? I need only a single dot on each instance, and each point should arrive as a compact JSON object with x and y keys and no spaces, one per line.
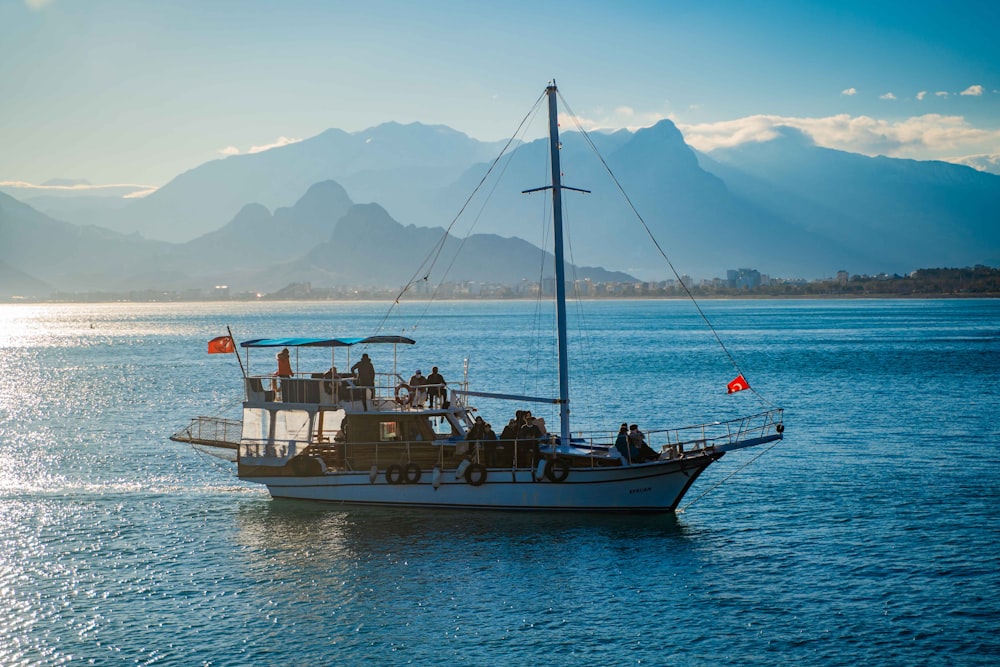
{"x":869,"y":536}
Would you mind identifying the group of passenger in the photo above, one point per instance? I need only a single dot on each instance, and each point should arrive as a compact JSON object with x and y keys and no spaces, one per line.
{"x":523,"y":428}
{"x":430,"y":389}
{"x":518,"y":443}
{"x":631,"y":444}
{"x":481,"y":431}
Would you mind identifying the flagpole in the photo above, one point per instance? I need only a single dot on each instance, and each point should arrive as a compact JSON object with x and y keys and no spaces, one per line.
{"x":237,"y":351}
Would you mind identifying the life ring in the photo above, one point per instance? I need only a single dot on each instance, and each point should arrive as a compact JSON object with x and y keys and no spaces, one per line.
{"x":394,"y":474}
{"x":780,"y":428}
{"x":475,"y":474}
{"x":412,"y":473}
{"x":403,"y":393}
{"x":557,"y":470}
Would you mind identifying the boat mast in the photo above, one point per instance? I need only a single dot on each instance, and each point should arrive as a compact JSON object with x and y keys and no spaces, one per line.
{"x":557,"y":225}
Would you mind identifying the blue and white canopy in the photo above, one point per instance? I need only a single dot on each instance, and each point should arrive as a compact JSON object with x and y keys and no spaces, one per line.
{"x":325,"y":342}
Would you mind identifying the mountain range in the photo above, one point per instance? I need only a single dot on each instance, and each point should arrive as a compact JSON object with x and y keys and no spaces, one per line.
{"x":258,"y":222}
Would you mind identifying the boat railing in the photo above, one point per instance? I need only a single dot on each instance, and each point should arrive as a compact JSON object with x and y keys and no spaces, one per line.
{"x":722,"y":436}
{"x":731,"y":434}
{"x":446,"y":454}
{"x":314,"y":388}
{"x":212,"y":431}
{"x":713,"y":438}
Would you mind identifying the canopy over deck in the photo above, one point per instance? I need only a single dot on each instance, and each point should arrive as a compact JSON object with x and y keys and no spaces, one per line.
{"x":325,"y":342}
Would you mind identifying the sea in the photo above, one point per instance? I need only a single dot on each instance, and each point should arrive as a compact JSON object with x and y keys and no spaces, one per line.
{"x":869,"y":536}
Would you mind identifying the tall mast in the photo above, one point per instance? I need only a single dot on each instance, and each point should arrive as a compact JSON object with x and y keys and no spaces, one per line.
{"x":557,"y":225}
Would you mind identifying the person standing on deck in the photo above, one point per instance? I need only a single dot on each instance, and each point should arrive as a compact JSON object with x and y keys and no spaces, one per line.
{"x":365,"y":378}
{"x":284,"y":369}
{"x":527,"y":440}
{"x":436,"y":388}
{"x":284,"y":364}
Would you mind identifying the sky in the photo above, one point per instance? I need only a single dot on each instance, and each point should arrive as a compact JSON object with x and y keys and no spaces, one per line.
{"x":132,"y":93}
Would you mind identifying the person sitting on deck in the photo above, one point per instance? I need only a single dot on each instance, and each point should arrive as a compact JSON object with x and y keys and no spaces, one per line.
{"x":621,"y":443}
{"x":330,"y":386}
{"x":417,"y":392}
{"x":641,"y":452}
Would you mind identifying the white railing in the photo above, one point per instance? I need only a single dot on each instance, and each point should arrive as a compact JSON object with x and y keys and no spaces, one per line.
{"x":764,"y":425}
{"x":210,"y":431}
{"x":387,"y":394}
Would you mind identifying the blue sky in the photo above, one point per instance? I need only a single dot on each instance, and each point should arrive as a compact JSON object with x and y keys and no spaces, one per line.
{"x":137,"y":92}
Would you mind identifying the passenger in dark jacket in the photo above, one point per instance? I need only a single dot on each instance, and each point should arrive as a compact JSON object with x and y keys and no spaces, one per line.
{"x":436,"y":388}
{"x":365,"y":377}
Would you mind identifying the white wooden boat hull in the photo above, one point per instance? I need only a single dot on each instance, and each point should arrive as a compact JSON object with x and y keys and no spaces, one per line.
{"x":653,"y":487}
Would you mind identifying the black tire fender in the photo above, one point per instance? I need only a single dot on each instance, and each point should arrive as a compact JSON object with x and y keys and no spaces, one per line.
{"x":557,"y":470}
{"x":411,"y":475}
{"x":394,"y":474}
{"x":475,"y":474}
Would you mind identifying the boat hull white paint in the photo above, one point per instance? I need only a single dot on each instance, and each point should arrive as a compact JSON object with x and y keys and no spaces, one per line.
{"x":656,"y":487}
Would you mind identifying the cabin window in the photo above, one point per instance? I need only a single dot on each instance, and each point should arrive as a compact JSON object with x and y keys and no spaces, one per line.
{"x":388,"y":431}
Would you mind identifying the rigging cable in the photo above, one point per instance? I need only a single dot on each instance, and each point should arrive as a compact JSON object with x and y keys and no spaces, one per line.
{"x":425,"y":268}
{"x":729,"y":476}
{"x":585,"y":338}
{"x":657,"y":245}
{"x":534,"y":346}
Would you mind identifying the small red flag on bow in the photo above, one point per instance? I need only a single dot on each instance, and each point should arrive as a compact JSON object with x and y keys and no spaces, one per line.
{"x":221,"y":345}
{"x":739,"y":384}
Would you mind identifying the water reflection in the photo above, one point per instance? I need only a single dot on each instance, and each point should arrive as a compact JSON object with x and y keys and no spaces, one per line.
{"x":309,"y":537}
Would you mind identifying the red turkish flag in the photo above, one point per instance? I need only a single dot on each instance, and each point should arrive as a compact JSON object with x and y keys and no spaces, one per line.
{"x":221,"y":345}
{"x":739,"y":384}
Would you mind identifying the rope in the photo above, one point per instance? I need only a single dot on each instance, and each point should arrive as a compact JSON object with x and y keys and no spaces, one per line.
{"x":424,"y":270}
{"x":728,"y":477}
{"x":220,"y":464}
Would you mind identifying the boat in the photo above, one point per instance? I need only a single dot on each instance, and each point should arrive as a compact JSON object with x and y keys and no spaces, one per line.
{"x":339,"y":437}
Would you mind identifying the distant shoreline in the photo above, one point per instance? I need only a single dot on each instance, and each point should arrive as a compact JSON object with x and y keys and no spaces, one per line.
{"x":373,"y":299}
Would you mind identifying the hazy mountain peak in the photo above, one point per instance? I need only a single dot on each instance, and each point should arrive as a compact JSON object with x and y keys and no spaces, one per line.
{"x":251,"y":214}
{"x":322,"y":196}
{"x":372,"y":217}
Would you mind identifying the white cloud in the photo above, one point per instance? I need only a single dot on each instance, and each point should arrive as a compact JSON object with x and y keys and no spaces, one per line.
{"x":849,"y":91}
{"x":987,"y":162}
{"x":922,"y":94}
{"x":942,"y":93}
{"x":887,"y":96}
{"x":931,"y":136}
{"x":974,"y":91}
{"x":621,"y":117}
{"x":139,"y":194}
{"x":130,"y":190}
{"x":37,"y":4}
{"x":277,"y":143}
